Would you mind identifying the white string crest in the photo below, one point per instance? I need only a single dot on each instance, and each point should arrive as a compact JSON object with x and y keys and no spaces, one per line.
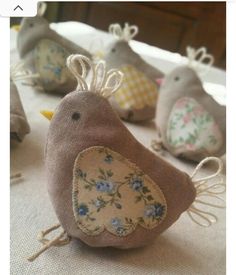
{"x":199,"y":59}
{"x":18,"y":72}
{"x":102,"y":82}
{"x":127,"y":33}
{"x":42,"y":6}
{"x":207,"y":191}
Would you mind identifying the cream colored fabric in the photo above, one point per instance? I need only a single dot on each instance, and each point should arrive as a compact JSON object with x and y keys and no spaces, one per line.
{"x":50,"y":60}
{"x":185,"y":248}
{"x":111,"y":193}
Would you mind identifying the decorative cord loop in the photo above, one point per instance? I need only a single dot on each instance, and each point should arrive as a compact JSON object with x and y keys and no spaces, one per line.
{"x":42,"y":6}
{"x":127,"y":33}
{"x":209,"y":191}
{"x":18,"y":72}
{"x":197,"y":59}
{"x":102,"y":82}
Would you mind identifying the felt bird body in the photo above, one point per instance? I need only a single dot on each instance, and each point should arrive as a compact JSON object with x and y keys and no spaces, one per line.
{"x":191,"y":123}
{"x":19,"y":125}
{"x":136,"y":98}
{"x":106,"y":188}
{"x":45,"y":52}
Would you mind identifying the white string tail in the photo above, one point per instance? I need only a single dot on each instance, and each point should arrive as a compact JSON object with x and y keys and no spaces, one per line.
{"x":42,"y":6}
{"x":18,"y":73}
{"x":199,"y":59}
{"x":127,"y":33}
{"x":207,"y":194}
{"x":60,"y":240}
{"x":102,"y":82}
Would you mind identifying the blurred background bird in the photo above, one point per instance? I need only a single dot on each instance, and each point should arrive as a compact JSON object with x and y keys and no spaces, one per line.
{"x":191,"y":123}
{"x":136,"y":99}
{"x":45,"y":51}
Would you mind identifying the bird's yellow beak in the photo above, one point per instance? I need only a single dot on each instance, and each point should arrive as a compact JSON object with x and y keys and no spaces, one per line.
{"x":47,"y":114}
{"x":16,"y":27}
{"x":99,"y":54}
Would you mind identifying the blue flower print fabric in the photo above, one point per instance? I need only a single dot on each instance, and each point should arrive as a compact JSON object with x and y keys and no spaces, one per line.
{"x":50,"y":63}
{"x":111,"y":193}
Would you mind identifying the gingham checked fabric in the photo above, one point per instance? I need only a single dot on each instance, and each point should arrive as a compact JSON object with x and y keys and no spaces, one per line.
{"x":137,"y":91}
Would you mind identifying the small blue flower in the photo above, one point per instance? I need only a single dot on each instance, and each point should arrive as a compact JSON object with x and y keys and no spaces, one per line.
{"x":136,"y":184}
{"x":156,"y":210}
{"x":108,"y":158}
{"x":104,"y":186}
{"x":116,"y":222}
{"x":82,"y":209}
{"x":57,"y":71}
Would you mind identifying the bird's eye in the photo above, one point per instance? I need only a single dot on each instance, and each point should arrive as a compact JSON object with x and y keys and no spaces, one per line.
{"x":176,"y":78}
{"x":113,"y":50}
{"x":31,"y":25}
{"x":75,"y":116}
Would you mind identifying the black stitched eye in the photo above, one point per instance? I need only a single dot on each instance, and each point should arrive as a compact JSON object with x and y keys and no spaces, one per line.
{"x":75,"y":116}
{"x":176,"y":78}
{"x":113,"y":50}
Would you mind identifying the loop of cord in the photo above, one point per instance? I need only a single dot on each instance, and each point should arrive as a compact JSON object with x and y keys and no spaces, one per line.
{"x":126,"y":34}
{"x":18,"y":73}
{"x":102,"y":82}
{"x":199,"y":57}
{"x":208,"y":191}
{"x":60,"y":240}
{"x":42,"y":6}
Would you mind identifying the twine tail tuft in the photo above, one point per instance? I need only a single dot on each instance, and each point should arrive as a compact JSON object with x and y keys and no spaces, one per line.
{"x":209,"y":191}
{"x":60,"y":240}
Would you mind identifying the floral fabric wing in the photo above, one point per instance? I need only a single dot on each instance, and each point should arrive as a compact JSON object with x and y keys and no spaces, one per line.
{"x":50,"y":63}
{"x":111,"y":193}
{"x":191,"y":128}
{"x":137,"y":91}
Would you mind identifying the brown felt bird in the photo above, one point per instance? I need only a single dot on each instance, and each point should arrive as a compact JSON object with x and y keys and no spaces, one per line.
{"x":107,"y":189}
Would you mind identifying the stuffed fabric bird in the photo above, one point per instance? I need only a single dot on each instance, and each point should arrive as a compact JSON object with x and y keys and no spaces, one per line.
{"x":106,"y":188}
{"x":136,"y":99}
{"x":19,"y":125}
{"x":45,"y":52}
{"x":191,"y":123}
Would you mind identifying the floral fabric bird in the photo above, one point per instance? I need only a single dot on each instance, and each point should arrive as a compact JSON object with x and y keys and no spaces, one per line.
{"x":44,"y":51}
{"x":191,"y":123}
{"x":106,"y":188}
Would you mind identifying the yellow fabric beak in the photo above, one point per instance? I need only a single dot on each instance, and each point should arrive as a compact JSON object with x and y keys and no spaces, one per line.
{"x":47,"y":114}
{"x":16,"y":27}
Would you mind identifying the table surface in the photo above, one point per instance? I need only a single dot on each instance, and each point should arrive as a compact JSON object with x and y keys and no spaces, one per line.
{"x":185,"y":248}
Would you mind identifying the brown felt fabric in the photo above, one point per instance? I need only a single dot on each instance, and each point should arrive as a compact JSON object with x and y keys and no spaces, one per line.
{"x":34,"y":29}
{"x":19,"y":126}
{"x":100,"y":126}
{"x":118,"y":54}
{"x":188,"y":85}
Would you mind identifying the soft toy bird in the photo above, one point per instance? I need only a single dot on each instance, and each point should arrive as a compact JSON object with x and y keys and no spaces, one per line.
{"x":19,"y":125}
{"x":136,"y":98}
{"x":191,"y":123}
{"x":106,"y":188}
{"x":45,"y":52}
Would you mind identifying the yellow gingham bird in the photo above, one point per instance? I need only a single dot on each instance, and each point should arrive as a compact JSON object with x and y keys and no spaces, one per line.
{"x":137,"y":90}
